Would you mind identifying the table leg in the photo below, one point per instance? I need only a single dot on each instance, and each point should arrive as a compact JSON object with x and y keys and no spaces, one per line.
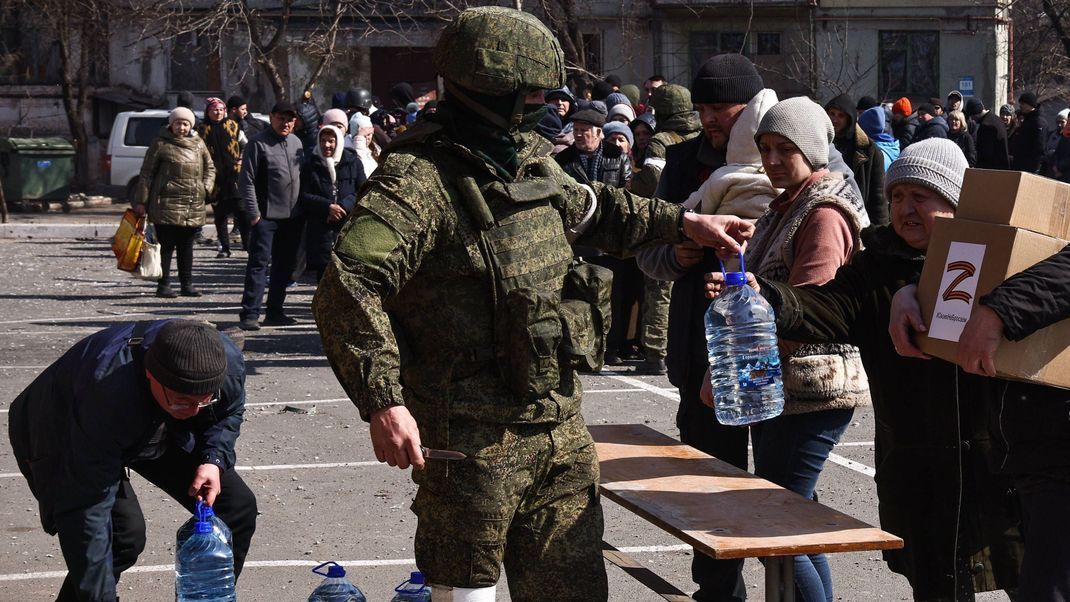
{"x":780,"y":579}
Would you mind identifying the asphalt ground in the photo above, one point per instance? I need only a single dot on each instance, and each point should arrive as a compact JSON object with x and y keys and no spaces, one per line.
{"x":306,"y":454}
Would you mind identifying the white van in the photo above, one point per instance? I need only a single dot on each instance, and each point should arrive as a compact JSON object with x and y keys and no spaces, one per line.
{"x":131,"y":134}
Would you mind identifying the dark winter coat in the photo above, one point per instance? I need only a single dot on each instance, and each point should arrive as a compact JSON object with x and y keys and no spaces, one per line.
{"x":991,"y":142}
{"x":1027,"y":144}
{"x":934,"y":128}
{"x":866,"y":161}
{"x":1031,"y":423}
{"x":1062,"y":158}
{"x":271,"y":176}
{"x":223,"y":141}
{"x":89,"y":415}
{"x":176,"y":178}
{"x":931,"y":440}
{"x":966,"y":143}
{"x":616,"y":166}
{"x":904,"y":129}
{"x":318,"y":194}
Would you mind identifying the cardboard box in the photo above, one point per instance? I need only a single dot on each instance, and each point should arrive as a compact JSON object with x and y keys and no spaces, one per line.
{"x":1018,"y":199}
{"x":965,"y":261}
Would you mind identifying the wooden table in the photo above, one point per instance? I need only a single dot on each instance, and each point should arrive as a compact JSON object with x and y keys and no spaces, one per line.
{"x":722,"y":511}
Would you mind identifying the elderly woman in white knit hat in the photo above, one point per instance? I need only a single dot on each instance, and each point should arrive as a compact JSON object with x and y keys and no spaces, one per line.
{"x":808,"y":232}
{"x":176,"y":177}
{"x":935,"y":488}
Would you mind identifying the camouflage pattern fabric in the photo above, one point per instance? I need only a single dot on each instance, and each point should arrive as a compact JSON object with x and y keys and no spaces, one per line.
{"x":526,"y":496}
{"x":497,"y":51}
{"x":674,"y":130}
{"x":655,"y":318}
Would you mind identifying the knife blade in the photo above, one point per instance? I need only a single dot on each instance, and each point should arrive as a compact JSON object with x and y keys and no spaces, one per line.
{"x":442,"y":454}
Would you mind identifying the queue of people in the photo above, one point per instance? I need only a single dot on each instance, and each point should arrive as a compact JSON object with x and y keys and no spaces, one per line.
{"x":832,"y":207}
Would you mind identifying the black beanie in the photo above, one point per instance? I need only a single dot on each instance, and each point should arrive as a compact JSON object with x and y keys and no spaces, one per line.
{"x":866,"y":102}
{"x":1029,"y":98}
{"x":235,"y":101}
{"x":973,"y":107}
{"x":726,"y":78}
{"x":187,"y":357}
{"x":601,"y":90}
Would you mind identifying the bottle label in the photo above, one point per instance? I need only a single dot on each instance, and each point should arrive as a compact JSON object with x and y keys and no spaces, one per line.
{"x":760,"y":369}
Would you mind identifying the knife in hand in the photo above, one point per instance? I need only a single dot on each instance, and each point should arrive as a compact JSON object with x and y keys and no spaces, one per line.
{"x":441,"y":454}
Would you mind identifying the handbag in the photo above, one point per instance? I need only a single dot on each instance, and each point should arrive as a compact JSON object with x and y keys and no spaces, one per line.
{"x":128,"y":239}
{"x":148,"y":266}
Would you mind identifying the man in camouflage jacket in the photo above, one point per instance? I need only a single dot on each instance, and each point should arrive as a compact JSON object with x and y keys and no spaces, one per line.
{"x":468,"y":217}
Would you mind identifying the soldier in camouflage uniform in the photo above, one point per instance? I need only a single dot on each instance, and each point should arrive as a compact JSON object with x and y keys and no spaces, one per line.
{"x":452,"y":316}
{"x":677,"y":122}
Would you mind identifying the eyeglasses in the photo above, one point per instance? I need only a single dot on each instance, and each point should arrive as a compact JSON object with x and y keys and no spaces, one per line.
{"x":187,"y":406}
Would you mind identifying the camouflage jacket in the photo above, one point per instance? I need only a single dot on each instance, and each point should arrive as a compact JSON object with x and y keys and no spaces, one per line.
{"x":406,"y":303}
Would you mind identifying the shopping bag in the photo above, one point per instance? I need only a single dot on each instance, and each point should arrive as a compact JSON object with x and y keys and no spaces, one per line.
{"x":148,"y":266}
{"x":126,"y":244}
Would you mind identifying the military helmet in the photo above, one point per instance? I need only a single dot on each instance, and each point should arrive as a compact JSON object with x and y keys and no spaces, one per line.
{"x":497,"y":51}
{"x":358,"y":98}
{"x":670,"y":99}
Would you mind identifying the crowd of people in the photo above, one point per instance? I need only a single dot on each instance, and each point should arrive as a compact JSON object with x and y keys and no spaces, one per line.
{"x":578,"y":207}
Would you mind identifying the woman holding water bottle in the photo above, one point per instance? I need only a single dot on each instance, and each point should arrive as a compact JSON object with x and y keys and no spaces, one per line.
{"x":808,"y":232}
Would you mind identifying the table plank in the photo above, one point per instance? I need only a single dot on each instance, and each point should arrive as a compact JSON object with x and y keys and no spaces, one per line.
{"x":719,"y":509}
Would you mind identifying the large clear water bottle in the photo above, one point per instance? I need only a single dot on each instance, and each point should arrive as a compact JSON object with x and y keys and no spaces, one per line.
{"x":413,"y":590}
{"x":204,"y":512}
{"x":204,"y":567}
{"x":744,"y":358}
{"x":335,"y":588}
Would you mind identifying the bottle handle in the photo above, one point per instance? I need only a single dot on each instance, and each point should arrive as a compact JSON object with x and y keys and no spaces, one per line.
{"x":325,"y":564}
{"x":742,"y":265}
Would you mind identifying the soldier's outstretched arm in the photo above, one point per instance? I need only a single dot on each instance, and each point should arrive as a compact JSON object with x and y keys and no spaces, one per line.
{"x":377,"y":252}
{"x":621,"y":223}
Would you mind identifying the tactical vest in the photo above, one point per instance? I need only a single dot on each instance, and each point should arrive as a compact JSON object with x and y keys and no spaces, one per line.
{"x":551,"y":313}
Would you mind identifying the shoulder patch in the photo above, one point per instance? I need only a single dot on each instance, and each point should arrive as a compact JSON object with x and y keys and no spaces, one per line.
{"x":367,"y":239}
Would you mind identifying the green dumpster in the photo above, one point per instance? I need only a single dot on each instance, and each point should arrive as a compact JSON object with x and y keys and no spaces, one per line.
{"x":36,"y":168}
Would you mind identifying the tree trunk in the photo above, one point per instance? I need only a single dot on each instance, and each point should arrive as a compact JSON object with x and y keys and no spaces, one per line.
{"x":1057,"y":25}
{"x":73,"y":88}
{"x":3,"y":204}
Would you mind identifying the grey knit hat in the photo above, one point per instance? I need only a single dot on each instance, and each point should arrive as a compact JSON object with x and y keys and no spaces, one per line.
{"x":616,"y":127}
{"x":805,"y":123}
{"x":935,"y":163}
{"x":187,"y":357}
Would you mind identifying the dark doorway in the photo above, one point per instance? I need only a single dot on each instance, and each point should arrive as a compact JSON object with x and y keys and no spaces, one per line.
{"x":390,"y":66}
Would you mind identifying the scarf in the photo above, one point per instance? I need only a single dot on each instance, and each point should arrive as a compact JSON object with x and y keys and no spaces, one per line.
{"x":592,"y":164}
{"x":331,"y":161}
{"x":488,"y":141}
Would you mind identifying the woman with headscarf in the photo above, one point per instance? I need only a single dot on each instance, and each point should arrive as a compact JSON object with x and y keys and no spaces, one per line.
{"x":176,"y":178}
{"x":330,"y":179}
{"x":224,"y":138}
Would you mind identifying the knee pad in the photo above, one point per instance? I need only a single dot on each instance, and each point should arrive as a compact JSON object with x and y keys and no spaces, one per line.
{"x":443,"y":593}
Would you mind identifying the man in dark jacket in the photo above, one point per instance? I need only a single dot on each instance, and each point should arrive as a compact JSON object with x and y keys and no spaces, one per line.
{"x":164,"y":399}
{"x":239,"y":111}
{"x":932,"y":124}
{"x":1027,"y":143}
{"x":270,"y":185}
{"x":1029,"y":425}
{"x":861,"y":155}
{"x":590,"y":159}
{"x":991,"y":136}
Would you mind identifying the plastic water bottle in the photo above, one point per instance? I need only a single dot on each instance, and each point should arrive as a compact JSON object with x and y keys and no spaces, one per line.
{"x":412,"y":590}
{"x":204,"y":567}
{"x":335,"y":588}
{"x":219,"y":527}
{"x":744,"y":359}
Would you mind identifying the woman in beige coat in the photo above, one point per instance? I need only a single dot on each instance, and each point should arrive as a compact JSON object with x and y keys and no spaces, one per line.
{"x":176,"y":177}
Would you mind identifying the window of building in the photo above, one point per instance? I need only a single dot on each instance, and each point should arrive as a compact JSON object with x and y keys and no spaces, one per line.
{"x":592,"y":49}
{"x":909,"y":64}
{"x":705,"y":44}
{"x":27,"y":56}
{"x":194,"y":64}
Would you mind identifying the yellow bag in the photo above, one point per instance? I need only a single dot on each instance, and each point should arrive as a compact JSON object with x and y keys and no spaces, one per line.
{"x":126,"y":244}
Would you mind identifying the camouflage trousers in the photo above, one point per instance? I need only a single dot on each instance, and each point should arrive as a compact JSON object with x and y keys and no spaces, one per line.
{"x":526,"y":497}
{"x":655,"y":319}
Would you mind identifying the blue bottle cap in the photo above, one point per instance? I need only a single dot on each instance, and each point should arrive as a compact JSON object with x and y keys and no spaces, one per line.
{"x":334,"y":570}
{"x":735,"y":278}
{"x":416,"y":577}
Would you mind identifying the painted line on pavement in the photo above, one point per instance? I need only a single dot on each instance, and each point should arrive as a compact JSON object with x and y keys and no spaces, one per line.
{"x":263,"y":467}
{"x":855,"y":466}
{"x":668,"y":394}
{"x":263,"y":564}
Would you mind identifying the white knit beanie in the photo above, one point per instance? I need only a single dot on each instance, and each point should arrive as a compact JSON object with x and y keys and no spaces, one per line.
{"x":805,"y":123}
{"x":935,"y":163}
{"x":359,"y":121}
{"x":181,"y":113}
